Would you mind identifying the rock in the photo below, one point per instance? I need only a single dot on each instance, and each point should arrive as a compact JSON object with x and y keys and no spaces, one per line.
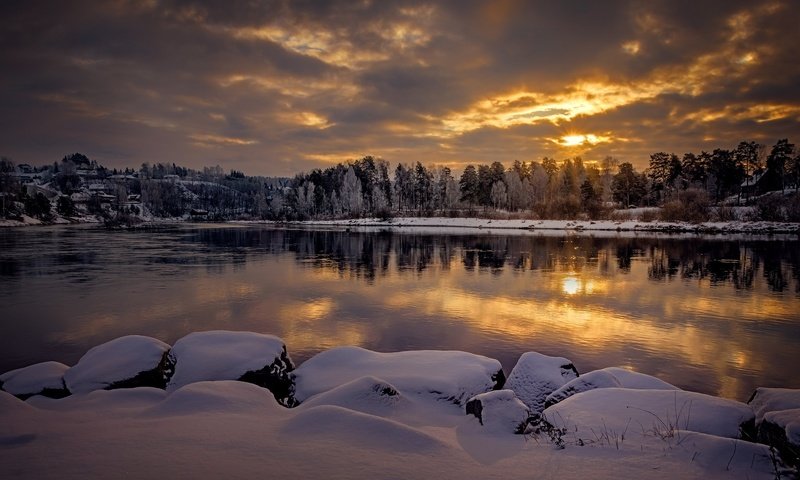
{"x":499,"y":410}
{"x":46,"y":378}
{"x":245,"y":356}
{"x":125,"y":362}
{"x":777,"y":420}
{"x":446,"y":375}
{"x":649,"y":413}
{"x":535,"y":376}
{"x":365,"y":394}
{"x":612,"y":377}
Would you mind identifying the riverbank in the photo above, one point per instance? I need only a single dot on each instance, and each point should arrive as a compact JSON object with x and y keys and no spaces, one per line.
{"x":214,"y":405}
{"x":566,"y":225}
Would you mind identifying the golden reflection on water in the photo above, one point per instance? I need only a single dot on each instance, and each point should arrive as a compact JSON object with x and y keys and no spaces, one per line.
{"x":599,"y":302}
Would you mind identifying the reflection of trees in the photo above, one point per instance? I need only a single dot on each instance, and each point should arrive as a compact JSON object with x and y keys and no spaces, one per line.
{"x":371,"y":255}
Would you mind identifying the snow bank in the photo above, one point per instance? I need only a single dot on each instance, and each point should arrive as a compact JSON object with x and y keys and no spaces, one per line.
{"x":46,"y":378}
{"x":739,"y":458}
{"x":648,"y":413}
{"x":222,"y":355}
{"x":535,"y":376}
{"x":129,"y":361}
{"x":450,"y":375}
{"x":220,"y":396}
{"x":359,"y":430}
{"x":611,"y":377}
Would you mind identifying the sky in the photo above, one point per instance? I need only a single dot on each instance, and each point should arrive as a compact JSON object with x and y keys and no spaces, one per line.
{"x":280,"y":87}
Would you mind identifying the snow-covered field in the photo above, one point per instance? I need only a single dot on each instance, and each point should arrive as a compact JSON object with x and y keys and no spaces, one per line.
{"x":372,"y":415}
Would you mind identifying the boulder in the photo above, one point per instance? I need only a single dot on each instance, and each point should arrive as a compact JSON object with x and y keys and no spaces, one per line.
{"x":446,"y":375}
{"x":245,"y":356}
{"x":612,"y":377}
{"x":46,"y":378}
{"x":125,"y":362}
{"x":499,"y":410}
{"x":614,"y":413}
{"x":777,"y":420}
{"x":365,"y":394}
{"x":535,"y":376}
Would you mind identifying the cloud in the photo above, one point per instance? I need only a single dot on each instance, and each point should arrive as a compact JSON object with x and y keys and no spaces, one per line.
{"x":274,"y":87}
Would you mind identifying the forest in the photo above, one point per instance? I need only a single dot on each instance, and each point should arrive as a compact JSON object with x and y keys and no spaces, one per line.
{"x":696,"y":187}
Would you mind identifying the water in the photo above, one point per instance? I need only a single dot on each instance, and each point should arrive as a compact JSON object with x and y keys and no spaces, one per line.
{"x":715,"y":315}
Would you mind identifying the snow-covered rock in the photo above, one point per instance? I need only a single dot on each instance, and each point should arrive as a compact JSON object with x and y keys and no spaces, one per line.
{"x":449,"y":375}
{"x":656,"y":413}
{"x":765,"y":400}
{"x":222,"y":355}
{"x":499,"y":410}
{"x":365,"y":394}
{"x":612,"y":377}
{"x":225,"y":396}
{"x":125,"y":362}
{"x":535,"y":376}
{"x":778,"y":420}
{"x":46,"y":378}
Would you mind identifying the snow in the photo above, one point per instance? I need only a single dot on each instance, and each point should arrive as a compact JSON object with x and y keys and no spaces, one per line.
{"x":450,"y":375}
{"x":535,"y":376}
{"x":221,"y":355}
{"x":33,"y":379}
{"x":643,"y":413}
{"x":574,"y":225}
{"x":229,"y":429}
{"x":789,"y":420}
{"x":765,"y":400}
{"x":364,"y":394}
{"x":120,"y":359}
{"x":499,"y":410}
{"x":607,"y":378}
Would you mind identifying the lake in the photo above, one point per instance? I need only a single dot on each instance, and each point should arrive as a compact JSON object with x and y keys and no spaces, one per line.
{"x":719,"y":315}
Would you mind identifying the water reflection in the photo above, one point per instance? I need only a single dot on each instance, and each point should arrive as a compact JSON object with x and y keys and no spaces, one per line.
{"x":714,"y":315}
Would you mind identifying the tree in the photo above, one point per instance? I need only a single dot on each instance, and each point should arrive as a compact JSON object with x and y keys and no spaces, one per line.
{"x":499,"y":194}
{"x":746,"y":154}
{"x":628,"y":187}
{"x":65,"y":206}
{"x":725,"y":172}
{"x":664,"y":169}
{"x":352,"y":201}
{"x":693,"y":169}
{"x":777,"y":162}
{"x":468,"y":185}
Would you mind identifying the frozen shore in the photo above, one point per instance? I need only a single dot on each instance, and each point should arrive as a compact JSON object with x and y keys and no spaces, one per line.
{"x":215,"y":405}
{"x":566,"y":225}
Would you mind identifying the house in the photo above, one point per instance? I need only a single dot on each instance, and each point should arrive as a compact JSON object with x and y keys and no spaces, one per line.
{"x":756,"y":184}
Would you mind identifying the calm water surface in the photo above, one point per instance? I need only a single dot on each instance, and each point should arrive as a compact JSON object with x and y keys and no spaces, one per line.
{"x":715,"y":315}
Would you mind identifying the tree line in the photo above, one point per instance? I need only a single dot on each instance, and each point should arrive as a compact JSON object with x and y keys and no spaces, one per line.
{"x":371,"y":187}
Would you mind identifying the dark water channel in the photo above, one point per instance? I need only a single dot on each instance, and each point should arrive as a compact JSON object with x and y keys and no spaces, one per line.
{"x":719,"y":315}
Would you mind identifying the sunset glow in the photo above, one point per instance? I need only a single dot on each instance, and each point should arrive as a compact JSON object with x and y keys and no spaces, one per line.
{"x":277,"y":90}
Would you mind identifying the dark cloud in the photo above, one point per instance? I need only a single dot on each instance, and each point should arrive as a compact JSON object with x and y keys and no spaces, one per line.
{"x":273,"y":87}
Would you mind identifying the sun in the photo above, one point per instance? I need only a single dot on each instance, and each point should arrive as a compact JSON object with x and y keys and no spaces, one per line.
{"x":580,"y":139}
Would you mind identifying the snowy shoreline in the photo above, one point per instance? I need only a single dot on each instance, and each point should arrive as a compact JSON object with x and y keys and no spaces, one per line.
{"x":461,"y":225}
{"x":565,"y":225}
{"x":214,"y":404}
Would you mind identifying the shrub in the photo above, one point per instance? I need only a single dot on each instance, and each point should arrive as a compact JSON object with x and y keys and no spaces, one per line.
{"x":691,"y":205}
{"x":725,"y":213}
{"x":769,"y":208}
